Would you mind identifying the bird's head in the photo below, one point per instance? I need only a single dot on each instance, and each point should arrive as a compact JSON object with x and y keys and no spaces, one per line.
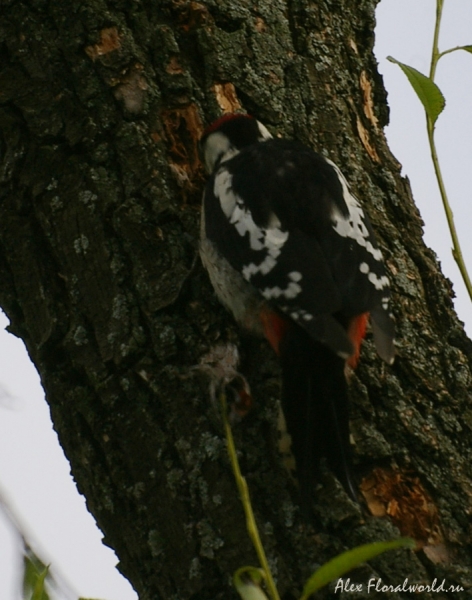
{"x":225,"y":137}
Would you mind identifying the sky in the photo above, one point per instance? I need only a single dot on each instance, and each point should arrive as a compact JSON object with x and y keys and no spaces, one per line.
{"x":34,"y":474}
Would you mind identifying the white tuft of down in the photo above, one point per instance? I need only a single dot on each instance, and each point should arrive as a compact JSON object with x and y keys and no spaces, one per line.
{"x":264,"y":132}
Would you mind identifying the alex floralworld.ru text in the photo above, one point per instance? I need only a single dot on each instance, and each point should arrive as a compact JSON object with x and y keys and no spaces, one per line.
{"x":376,"y":585}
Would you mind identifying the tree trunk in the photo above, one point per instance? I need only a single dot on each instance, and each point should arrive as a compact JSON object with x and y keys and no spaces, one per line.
{"x":101,"y":108}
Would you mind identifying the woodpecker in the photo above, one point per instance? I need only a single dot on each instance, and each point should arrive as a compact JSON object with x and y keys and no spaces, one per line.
{"x":291,"y":253}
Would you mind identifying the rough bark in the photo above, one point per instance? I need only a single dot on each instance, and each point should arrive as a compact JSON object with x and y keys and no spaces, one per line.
{"x":101,"y":106}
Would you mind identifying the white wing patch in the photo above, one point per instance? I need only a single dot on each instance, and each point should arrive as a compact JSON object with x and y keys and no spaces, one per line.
{"x":291,"y":291}
{"x":378,"y":282}
{"x":244,"y":223}
{"x":270,"y":239}
{"x":298,"y":314}
{"x":354,"y":226}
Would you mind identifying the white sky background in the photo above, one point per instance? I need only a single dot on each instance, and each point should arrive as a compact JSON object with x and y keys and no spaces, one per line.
{"x":405,"y":31}
{"x":33,"y":471}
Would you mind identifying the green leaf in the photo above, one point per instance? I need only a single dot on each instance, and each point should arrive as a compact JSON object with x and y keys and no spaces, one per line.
{"x":466,"y":48}
{"x":247,"y":583}
{"x":346,"y":561}
{"x":427,"y":91}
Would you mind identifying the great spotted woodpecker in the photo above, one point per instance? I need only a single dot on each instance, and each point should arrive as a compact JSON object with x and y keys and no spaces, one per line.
{"x":292,"y":255}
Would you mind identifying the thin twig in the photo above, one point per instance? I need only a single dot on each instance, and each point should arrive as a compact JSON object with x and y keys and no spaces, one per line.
{"x":246,"y":501}
{"x":455,"y":49}
{"x":456,"y":248}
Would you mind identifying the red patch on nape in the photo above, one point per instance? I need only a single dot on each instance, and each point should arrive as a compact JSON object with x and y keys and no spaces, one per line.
{"x":274,"y":326}
{"x":356,"y":333}
{"x":224,"y":119}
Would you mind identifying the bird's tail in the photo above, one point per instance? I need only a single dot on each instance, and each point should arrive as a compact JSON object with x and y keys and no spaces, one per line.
{"x":316,"y":409}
